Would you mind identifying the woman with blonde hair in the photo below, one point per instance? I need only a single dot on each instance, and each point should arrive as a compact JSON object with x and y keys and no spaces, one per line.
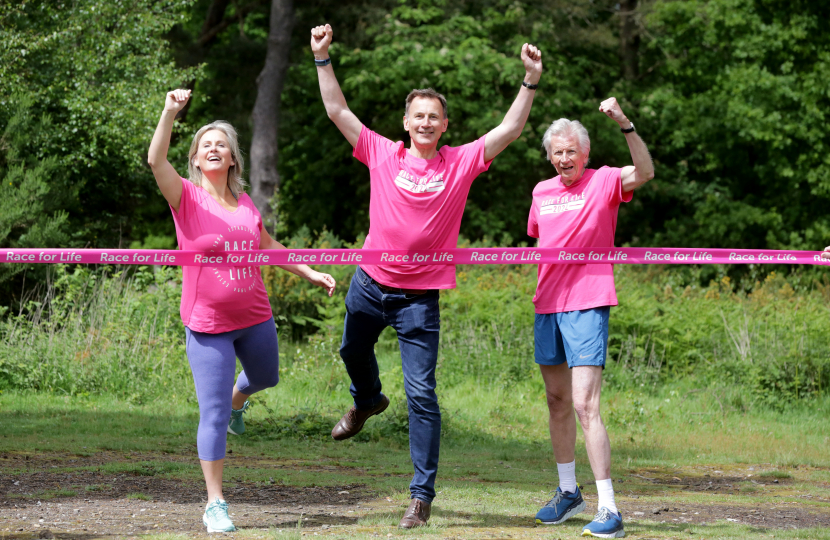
{"x":225,"y":310}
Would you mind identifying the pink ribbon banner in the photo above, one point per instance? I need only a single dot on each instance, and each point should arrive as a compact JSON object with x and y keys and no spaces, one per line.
{"x":271,"y":257}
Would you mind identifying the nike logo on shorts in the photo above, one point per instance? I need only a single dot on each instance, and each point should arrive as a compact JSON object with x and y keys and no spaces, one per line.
{"x":581,"y":357}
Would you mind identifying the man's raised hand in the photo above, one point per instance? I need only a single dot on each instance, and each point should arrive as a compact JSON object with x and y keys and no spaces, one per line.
{"x":176,"y":100}
{"x":532,"y":59}
{"x":320,"y":41}
{"x":613,"y":111}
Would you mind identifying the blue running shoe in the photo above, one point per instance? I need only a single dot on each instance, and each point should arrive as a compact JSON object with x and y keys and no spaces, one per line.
{"x":563,"y":506}
{"x":236,"y":425}
{"x":606,"y":524}
{"x":216,"y":517}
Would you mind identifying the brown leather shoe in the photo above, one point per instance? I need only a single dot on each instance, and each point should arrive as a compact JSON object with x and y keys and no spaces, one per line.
{"x":352,"y":422}
{"x":416,"y":515}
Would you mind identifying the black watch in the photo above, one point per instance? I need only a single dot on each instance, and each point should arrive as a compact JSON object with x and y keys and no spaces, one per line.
{"x":629,"y":130}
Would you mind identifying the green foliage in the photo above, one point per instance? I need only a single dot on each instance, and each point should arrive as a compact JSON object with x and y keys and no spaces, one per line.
{"x":83,"y":82}
{"x":30,"y":204}
{"x":735,"y":114}
{"x":97,"y":334}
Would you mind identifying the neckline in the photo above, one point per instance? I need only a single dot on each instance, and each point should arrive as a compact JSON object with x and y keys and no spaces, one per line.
{"x":217,"y":203}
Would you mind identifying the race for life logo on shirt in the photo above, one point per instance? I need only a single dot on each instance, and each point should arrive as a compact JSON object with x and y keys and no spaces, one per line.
{"x":412,"y":183}
{"x":565,"y":203}
{"x":240,"y":278}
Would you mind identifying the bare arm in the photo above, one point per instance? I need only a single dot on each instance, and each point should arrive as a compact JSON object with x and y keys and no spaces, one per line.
{"x":643,"y":169}
{"x":333,"y":98}
{"x":514,"y":121}
{"x":304,"y":271}
{"x":167,"y":178}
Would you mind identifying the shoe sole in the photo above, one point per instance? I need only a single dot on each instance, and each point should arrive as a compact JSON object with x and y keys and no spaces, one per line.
{"x":615,"y":534}
{"x":232,"y":432}
{"x":210,"y":530}
{"x":360,"y":428}
{"x":568,"y":515}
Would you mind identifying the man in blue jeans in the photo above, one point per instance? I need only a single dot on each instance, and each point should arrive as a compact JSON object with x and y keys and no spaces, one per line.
{"x":417,"y":199}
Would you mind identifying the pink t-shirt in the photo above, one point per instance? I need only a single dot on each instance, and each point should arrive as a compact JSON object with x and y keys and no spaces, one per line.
{"x":219,"y":299}
{"x":416,"y":204}
{"x":583,"y":214}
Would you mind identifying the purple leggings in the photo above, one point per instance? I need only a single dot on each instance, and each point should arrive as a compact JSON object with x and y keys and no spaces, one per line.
{"x":212,"y":360}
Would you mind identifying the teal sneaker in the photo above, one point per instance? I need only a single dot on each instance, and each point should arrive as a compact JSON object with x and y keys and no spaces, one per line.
{"x":606,"y":524}
{"x":563,"y":506}
{"x":216,"y":517}
{"x":236,"y":425}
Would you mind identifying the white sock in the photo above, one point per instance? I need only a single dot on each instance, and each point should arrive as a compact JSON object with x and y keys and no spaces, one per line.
{"x":567,"y":476}
{"x":605,"y":491}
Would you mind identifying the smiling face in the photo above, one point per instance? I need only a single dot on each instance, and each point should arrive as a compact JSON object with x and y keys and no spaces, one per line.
{"x":567,"y":158}
{"x":425,"y":122}
{"x":213,"y":154}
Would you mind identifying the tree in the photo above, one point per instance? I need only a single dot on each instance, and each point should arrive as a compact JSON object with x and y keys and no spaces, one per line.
{"x":266,"y":114}
{"x":82,"y":84}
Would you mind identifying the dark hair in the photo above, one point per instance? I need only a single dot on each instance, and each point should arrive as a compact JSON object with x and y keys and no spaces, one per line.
{"x":426,"y":93}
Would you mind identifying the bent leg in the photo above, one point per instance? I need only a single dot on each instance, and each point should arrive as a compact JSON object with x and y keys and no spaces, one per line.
{"x":258,"y":352}
{"x":361,"y":329}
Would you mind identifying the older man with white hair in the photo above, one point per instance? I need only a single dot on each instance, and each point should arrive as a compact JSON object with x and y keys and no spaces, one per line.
{"x":578,"y":208}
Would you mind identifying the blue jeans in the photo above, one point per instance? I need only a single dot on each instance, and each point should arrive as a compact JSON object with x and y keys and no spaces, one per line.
{"x":416,"y":319}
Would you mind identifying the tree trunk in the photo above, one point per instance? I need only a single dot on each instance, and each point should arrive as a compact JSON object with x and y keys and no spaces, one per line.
{"x":629,"y":40}
{"x":265,"y":179}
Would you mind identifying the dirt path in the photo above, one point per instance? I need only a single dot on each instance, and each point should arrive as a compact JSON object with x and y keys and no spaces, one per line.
{"x":38,"y":501}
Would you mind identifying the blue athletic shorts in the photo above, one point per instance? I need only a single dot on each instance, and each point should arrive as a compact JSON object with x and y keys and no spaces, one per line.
{"x":578,"y":337}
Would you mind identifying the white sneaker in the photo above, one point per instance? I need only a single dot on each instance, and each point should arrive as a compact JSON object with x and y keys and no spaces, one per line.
{"x":216,"y":517}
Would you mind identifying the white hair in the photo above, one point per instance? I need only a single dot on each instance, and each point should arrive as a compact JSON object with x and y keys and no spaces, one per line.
{"x":235,"y":181}
{"x":563,"y":128}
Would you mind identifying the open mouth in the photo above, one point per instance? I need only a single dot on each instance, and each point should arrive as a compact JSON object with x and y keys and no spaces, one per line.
{"x":214,"y":158}
{"x":567,"y":169}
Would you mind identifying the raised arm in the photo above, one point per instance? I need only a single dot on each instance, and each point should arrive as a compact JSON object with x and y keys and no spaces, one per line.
{"x":514,"y":121}
{"x":333,"y":98}
{"x":167,"y":178}
{"x":304,"y":271}
{"x":643,"y":169}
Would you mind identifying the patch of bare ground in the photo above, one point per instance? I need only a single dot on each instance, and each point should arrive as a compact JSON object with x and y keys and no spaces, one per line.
{"x":38,"y":502}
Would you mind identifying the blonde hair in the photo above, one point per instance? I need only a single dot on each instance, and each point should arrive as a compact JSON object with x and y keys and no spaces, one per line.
{"x":235,"y":181}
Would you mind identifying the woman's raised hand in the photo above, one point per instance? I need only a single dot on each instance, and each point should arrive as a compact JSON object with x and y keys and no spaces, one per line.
{"x":176,"y":100}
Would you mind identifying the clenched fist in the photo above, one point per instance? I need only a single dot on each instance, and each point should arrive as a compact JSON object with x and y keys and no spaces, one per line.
{"x":320,"y":41}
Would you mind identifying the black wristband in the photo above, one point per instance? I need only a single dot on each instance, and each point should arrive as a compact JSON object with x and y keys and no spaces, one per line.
{"x":530,"y":86}
{"x":629,"y":130}
{"x":321,"y":63}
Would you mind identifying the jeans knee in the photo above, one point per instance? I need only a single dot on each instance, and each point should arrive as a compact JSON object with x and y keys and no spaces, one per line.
{"x":424,"y":403}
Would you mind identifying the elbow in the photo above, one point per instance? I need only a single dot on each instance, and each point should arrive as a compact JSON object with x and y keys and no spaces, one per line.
{"x":648,"y":176}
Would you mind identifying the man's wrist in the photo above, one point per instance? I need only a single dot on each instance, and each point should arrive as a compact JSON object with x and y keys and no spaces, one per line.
{"x":626,"y":124}
{"x":532,"y":78}
{"x":321,"y":55}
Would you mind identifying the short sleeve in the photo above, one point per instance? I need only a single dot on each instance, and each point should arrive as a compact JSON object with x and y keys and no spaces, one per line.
{"x":533,"y":221}
{"x":613,"y":180}
{"x":187,"y":202}
{"x":470,"y":159}
{"x":371,"y":148}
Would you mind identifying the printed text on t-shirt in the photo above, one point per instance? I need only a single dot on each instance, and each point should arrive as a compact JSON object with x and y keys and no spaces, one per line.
{"x":565,"y":203}
{"x":414,"y":184}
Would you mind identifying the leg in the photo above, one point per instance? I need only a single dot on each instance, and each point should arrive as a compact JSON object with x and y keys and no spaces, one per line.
{"x":258,"y":352}
{"x":417,"y":321}
{"x":363,"y":325}
{"x":212,"y":361}
{"x":550,"y":355}
{"x":587,"y":383}
{"x":561,"y":421}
